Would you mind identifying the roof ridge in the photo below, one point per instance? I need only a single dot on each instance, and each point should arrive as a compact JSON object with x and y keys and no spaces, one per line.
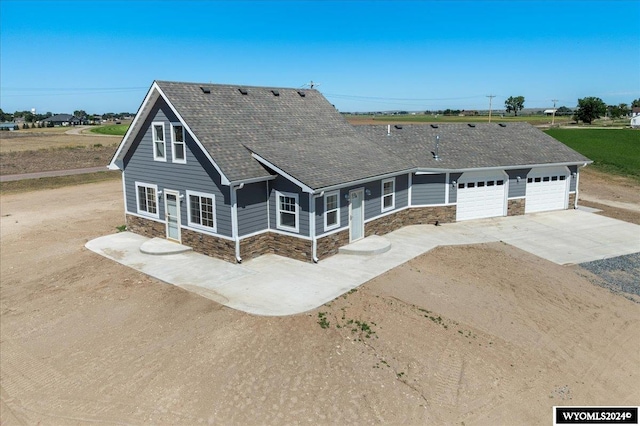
{"x":160,"y":82}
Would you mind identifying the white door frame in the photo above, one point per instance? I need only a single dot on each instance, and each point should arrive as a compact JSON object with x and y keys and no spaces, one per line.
{"x":360,"y":192}
{"x":166,"y":214}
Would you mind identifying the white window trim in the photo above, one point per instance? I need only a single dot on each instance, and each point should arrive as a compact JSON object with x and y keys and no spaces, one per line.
{"x":393,"y":195}
{"x":279,"y":225}
{"x":142,"y":212}
{"x":153,"y":141}
{"x":174,"y":143}
{"x":337,"y":209}
{"x":197,"y":225}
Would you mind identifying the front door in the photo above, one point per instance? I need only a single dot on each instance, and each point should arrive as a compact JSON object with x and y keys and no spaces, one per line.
{"x":172,"y":213}
{"x":356,"y":214}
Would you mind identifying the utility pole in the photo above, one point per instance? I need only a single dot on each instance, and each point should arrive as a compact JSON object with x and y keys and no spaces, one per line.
{"x":553,"y":118}
{"x":490,"y":99}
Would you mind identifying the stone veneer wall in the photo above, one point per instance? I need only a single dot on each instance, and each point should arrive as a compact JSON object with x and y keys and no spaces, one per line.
{"x":572,"y":200}
{"x":290,"y":246}
{"x":410,"y":216}
{"x":146,"y":227}
{"x":257,"y":245}
{"x":220,"y":248}
{"x":329,"y":245}
{"x":295,"y":248}
{"x":515,"y":207}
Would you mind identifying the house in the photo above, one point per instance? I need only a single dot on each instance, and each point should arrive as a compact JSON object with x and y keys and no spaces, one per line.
{"x":236,"y":172}
{"x":62,"y":120}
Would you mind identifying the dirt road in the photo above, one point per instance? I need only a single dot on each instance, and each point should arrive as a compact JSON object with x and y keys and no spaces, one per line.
{"x":475,"y":334}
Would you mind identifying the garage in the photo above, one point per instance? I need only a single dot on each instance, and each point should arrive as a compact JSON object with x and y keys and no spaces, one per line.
{"x":547,"y":189}
{"x":481,"y":195}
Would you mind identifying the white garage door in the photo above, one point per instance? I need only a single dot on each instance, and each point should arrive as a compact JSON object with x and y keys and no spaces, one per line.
{"x":547,"y":190}
{"x":480,"y":196}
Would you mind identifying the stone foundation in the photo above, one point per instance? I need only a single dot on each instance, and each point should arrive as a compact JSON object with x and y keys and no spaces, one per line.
{"x":219,"y":248}
{"x":329,"y":245}
{"x":515,"y":207}
{"x":411,"y":216}
{"x":290,"y":246}
{"x":572,"y":200}
{"x":146,"y":227}
{"x":255,"y":246}
{"x":295,"y":248}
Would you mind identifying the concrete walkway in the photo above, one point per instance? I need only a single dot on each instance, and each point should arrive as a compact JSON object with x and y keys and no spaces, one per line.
{"x":276,"y":286}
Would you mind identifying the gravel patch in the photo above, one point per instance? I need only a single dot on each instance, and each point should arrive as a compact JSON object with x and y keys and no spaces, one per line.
{"x":619,"y":274}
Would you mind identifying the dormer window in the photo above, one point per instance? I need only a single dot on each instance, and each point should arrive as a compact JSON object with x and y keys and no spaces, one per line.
{"x":159,"y":147}
{"x":178,"y":143}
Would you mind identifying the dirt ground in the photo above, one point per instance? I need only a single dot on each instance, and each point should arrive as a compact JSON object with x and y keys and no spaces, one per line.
{"x":40,"y":150}
{"x":482,"y":334}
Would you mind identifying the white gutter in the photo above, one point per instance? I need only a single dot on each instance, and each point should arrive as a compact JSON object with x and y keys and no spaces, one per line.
{"x":234,"y":220}
{"x":312,"y":225}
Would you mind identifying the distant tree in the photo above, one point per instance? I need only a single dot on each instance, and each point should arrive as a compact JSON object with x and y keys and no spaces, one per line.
{"x":617,"y":111}
{"x":5,"y":116}
{"x":514,"y":103}
{"x":563,"y":110}
{"x":589,"y":109}
{"x":635,"y":103}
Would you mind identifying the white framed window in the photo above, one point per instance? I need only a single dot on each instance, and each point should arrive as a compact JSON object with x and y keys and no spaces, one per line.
{"x":388,"y":194}
{"x":147,"y":199}
{"x":159,"y":145}
{"x":201,"y":210}
{"x":331,"y":210}
{"x":287,"y":211}
{"x":178,"y":147}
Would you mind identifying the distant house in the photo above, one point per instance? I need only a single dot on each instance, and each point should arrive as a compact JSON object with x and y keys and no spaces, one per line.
{"x":9,"y":126}
{"x":635,"y":111}
{"x":237,"y":172}
{"x":62,"y":120}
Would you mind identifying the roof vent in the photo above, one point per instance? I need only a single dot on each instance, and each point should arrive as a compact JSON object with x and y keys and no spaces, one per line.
{"x":243,"y":91}
{"x":302,"y":94}
{"x":275,"y":93}
{"x":471,"y":125}
{"x":397,"y":126}
{"x":502,"y":125}
{"x":435,"y":126}
{"x":205,"y":90}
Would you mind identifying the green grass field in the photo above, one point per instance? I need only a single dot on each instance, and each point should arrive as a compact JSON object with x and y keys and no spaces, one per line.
{"x":612,"y":150}
{"x":112,"y":129}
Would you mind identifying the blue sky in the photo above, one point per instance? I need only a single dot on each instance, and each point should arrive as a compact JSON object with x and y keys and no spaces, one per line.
{"x":367,"y":55}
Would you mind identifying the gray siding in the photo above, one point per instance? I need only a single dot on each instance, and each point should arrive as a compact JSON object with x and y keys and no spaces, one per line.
{"x":283,"y":185}
{"x":517,"y":189}
{"x":197,"y":174}
{"x":453,"y":189}
{"x":252,"y":208}
{"x":372,"y":202}
{"x":573,"y":181}
{"x":428,"y":189}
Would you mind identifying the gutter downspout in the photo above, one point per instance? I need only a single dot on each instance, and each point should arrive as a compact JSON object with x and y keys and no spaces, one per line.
{"x":312,"y":227}
{"x":234,"y":220}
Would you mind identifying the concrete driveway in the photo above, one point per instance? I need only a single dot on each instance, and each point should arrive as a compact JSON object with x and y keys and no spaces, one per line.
{"x":276,"y":286}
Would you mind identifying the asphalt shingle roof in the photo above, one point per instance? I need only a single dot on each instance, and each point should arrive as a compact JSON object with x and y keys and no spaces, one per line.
{"x":301,"y":133}
{"x":464,"y":147}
